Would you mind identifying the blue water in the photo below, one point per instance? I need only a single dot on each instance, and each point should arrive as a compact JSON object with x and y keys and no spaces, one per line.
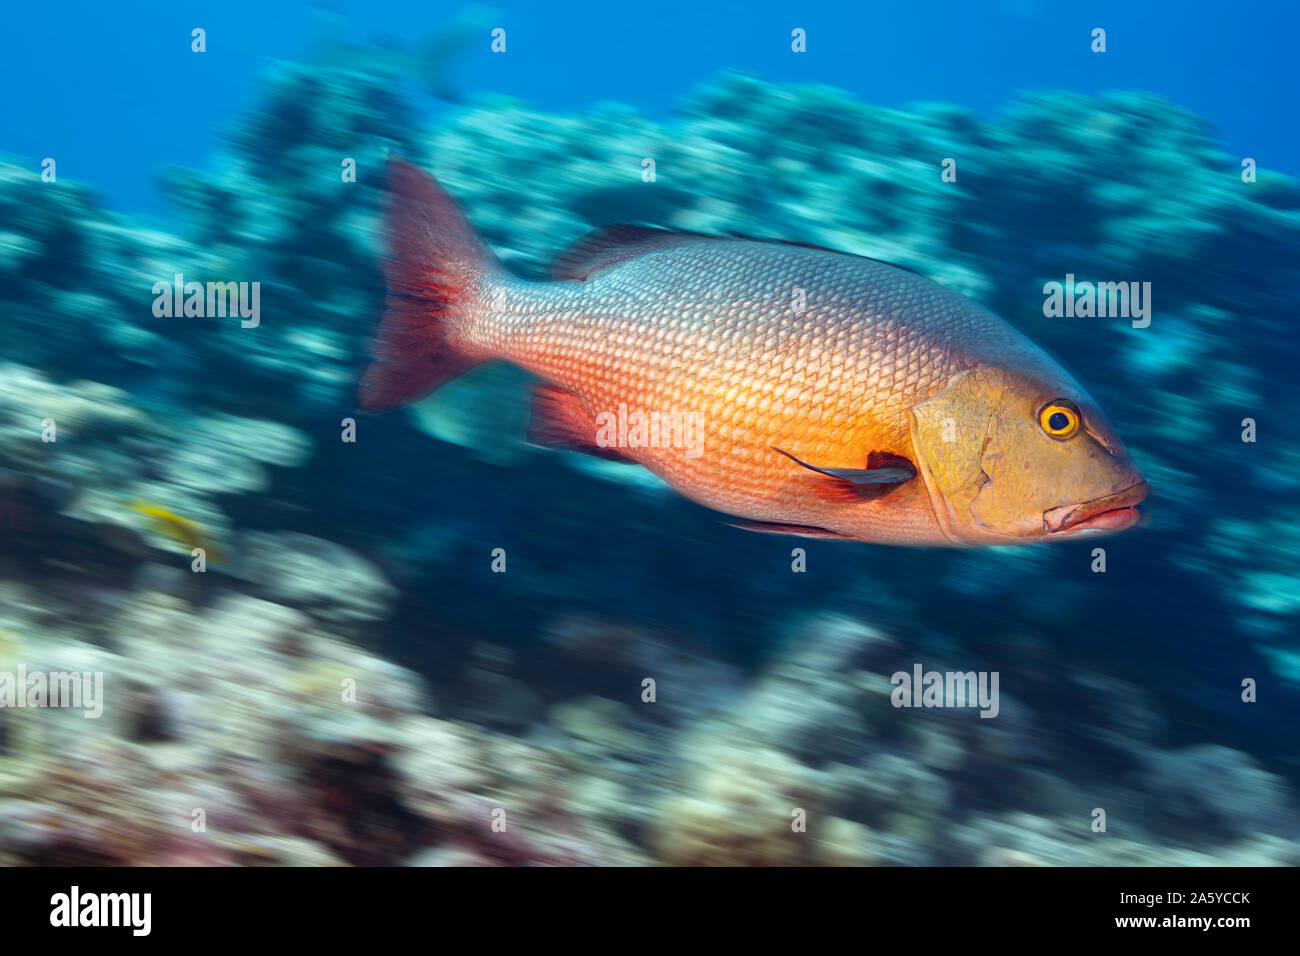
{"x":112,"y":90}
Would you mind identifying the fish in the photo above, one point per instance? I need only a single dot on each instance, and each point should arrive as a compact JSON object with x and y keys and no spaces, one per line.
{"x":801,"y":390}
{"x":178,"y":528}
{"x":430,"y":64}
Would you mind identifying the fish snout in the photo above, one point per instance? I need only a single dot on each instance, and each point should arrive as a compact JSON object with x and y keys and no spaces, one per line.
{"x":1109,"y":513}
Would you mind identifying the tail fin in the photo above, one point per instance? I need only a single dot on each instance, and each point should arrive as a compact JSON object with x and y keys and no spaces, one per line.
{"x":436,"y":274}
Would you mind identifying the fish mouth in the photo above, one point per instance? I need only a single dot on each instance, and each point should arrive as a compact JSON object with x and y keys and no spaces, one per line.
{"x":1104,"y":515}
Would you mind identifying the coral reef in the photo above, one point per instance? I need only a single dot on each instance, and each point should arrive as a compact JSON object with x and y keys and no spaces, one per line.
{"x":349,"y":682}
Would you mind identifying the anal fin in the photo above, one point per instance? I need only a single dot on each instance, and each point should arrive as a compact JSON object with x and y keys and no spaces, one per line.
{"x":560,"y":422}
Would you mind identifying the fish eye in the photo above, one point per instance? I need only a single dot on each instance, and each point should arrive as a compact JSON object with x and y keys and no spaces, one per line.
{"x":1060,"y":418}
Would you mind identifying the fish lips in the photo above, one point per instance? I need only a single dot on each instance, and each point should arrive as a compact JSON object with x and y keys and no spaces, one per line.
{"x":1103,"y":515}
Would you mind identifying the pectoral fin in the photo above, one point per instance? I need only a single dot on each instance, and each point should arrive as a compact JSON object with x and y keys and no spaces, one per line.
{"x":882,"y":473}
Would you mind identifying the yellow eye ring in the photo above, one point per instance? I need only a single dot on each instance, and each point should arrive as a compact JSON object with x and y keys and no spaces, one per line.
{"x":1060,"y":419}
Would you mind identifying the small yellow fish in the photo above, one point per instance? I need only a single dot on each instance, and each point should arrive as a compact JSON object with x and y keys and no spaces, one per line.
{"x":181,"y":529}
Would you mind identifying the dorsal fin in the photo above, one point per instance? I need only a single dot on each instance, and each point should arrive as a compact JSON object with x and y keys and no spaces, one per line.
{"x":812,"y":245}
{"x":609,"y":245}
{"x":603,"y":247}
